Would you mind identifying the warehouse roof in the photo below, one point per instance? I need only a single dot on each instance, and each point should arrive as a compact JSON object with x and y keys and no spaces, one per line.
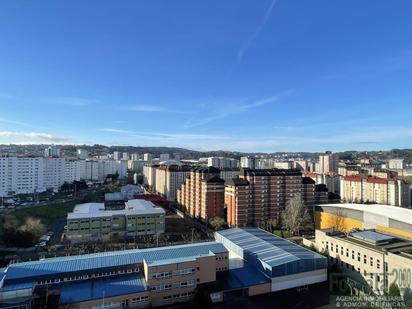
{"x":393,"y":212}
{"x":78,"y":263}
{"x":266,"y":247}
{"x":101,"y":288}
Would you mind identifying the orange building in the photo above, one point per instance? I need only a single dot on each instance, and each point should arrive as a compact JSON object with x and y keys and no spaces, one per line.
{"x":202,"y":194}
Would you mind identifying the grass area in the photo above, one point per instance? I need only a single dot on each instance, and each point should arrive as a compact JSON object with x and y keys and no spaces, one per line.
{"x":47,"y":213}
{"x":280,"y":233}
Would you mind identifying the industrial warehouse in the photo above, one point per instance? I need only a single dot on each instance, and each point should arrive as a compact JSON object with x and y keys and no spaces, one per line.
{"x":241,"y":262}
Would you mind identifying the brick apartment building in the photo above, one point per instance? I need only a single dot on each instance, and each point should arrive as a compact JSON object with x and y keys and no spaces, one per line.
{"x":260,"y":195}
{"x":202,"y":194}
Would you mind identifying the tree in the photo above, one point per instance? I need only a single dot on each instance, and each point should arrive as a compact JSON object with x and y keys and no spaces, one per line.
{"x":202,"y":299}
{"x":394,"y":290}
{"x":217,"y":223}
{"x":296,"y":216}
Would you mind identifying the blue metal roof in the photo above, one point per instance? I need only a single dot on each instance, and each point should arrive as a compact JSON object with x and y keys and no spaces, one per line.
{"x":78,"y":263}
{"x":373,"y":237}
{"x":102,"y":288}
{"x":17,"y":287}
{"x":248,"y":276}
{"x":270,"y":253}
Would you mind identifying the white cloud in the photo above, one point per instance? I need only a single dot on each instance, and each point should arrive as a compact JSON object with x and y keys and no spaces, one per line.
{"x":14,"y":137}
{"x":227,"y":110}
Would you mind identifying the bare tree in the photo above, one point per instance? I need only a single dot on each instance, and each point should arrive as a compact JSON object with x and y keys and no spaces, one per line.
{"x":339,"y":223}
{"x":296,"y":216}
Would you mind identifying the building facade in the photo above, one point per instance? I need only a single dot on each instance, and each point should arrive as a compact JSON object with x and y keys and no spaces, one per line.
{"x":202,"y":194}
{"x":328,"y":163}
{"x":241,"y":262}
{"x":260,"y":195}
{"x":361,"y":189}
{"x":373,"y":260}
{"x":137,"y":218}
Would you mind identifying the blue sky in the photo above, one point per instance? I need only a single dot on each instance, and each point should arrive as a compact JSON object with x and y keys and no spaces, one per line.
{"x":242,"y":75}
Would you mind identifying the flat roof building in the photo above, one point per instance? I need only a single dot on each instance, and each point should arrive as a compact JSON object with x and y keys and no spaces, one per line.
{"x":240,"y":262}
{"x":372,"y":260}
{"x":384,"y":218}
{"x":137,"y":218}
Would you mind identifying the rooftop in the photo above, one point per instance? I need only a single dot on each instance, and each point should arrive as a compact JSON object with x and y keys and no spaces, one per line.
{"x":266,"y":247}
{"x":96,"y":210}
{"x":396,"y":213}
{"x":78,"y":263}
{"x":373,"y":237}
{"x":100,"y":288}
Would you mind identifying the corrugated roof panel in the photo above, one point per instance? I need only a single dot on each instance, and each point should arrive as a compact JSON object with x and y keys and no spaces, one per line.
{"x":109,"y":259}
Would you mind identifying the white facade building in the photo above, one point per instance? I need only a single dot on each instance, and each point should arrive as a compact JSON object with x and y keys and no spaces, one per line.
{"x":396,"y":164}
{"x":164,"y":157}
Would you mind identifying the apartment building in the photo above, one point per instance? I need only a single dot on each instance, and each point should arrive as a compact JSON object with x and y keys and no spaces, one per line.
{"x":259,"y":195}
{"x":229,"y":173}
{"x":328,"y":163}
{"x":376,"y":190}
{"x":97,"y":170}
{"x":137,"y":218}
{"x":169,"y":178}
{"x":331,"y":181}
{"x":202,"y":194}
{"x":374,"y":260}
{"x":241,"y":262}
{"x":222,"y":162}
{"x":26,"y":175}
{"x":149,"y":175}
{"x":136,"y":165}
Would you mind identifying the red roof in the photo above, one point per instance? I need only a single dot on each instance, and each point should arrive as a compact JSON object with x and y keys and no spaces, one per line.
{"x":353,"y":178}
{"x":377,"y":180}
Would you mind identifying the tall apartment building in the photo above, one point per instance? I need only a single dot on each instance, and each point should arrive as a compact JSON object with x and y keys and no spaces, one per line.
{"x":136,"y":165}
{"x":82,"y":154}
{"x":25,"y":175}
{"x":147,"y":157}
{"x":164,"y":157}
{"x":52,"y":151}
{"x":328,"y":163}
{"x":202,"y":194}
{"x":222,"y":162}
{"x":98,"y":170}
{"x":229,"y":173}
{"x":117,"y":155}
{"x":260,"y":195}
{"x":168,"y":179}
{"x":247,"y":162}
{"x":376,"y":190}
{"x":331,"y":181}
{"x":149,"y":175}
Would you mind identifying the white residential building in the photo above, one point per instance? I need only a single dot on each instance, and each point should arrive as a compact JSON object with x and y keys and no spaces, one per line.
{"x":82,"y":154}
{"x":396,"y":164}
{"x":52,"y":151}
{"x":147,"y":157}
{"x":164,"y":157}
{"x":222,"y":162}
{"x":328,"y":163}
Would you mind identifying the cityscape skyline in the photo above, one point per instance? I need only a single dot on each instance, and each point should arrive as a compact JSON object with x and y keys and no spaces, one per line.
{"x":252,"y":80}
